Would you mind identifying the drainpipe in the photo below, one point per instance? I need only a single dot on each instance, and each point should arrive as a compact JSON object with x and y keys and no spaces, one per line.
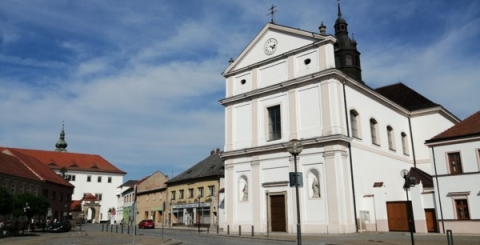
{"x":411,"y":140}
{"x":438,"y":189}
{"x":350,"y":158}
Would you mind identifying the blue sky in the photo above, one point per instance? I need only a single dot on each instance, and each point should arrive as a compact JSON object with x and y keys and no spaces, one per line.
{"x":138,"y":82}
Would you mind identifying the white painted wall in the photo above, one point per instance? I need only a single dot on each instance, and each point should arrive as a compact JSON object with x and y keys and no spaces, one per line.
{"x":107,"y":190}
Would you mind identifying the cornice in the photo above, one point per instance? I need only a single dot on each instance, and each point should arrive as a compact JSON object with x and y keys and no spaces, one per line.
{"x":282,"y":147}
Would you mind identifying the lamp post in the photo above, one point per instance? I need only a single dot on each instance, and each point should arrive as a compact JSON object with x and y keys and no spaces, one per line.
{"x":409,"y":182}
{"x":294,"y":147}
{"x":199,"y":196}
{"x":25,"y":210}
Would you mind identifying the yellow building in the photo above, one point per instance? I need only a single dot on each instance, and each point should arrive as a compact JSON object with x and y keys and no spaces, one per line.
{"x":151,"y":198}
{"x":193,"y":196}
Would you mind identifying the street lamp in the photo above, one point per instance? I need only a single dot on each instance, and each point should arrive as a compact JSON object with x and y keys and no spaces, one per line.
{"x":199,"y":196}
{"x":294,"y":147}
{"x":409,"y":182}
{"x":25,"y":209}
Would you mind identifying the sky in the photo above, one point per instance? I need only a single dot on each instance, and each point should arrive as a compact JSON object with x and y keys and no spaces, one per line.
{"x":138,"y":82}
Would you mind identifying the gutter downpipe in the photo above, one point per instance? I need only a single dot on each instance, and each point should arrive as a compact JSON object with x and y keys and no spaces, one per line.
{"x":411,"y":140}
{"x":350,"y":158}
{"x":438,"y":189}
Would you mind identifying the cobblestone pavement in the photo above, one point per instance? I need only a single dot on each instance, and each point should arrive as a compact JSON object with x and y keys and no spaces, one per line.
{"x":94,"y":236}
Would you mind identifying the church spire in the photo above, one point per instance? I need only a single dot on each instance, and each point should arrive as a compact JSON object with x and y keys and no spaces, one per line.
{"x":347,"y":57}
{"x":61,"y":144}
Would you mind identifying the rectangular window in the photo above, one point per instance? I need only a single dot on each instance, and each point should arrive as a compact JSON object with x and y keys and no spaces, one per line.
{"x":29,"y":189}
{"x":72,"y":177}
{"x":5,"y":184}
{"x":109,"y":179}
{"x":35,"y":191}
{"x":89,"y":178}
{"x":180,"y":194}
{"x":455,"y":163}
{"x":99,"y":179}
{"x":20,"y":191}
{"x":461,"y":206}
{"x":60,"y":198}
{"x":211,"y":190}
{"x":274,"y":123}
{"x":98,"y":196}
{"x":190,"y":193}
{"x":12,"y":189}
{"x":200,"y":191}
{"x":45,"y":193}
{"x":54,"y":195}
{"x":172,"y":194}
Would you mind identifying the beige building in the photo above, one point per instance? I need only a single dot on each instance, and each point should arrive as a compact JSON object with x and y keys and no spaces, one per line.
{"x":151,"y":198}
{"x":193,"y":194}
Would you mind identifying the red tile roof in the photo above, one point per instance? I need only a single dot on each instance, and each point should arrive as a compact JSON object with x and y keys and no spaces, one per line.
{"x":90,"y":197}
{"x":76,"y":205}
{"x":37,"y":167}
{"x":73,"y":161}
{"x":13,"y":166}
{"x":466,"y":128}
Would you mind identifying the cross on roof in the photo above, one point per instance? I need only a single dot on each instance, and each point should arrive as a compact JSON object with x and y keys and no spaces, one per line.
{"x":272,"y":13}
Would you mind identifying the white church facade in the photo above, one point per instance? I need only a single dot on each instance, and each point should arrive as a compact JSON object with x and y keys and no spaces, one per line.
{"x":294,"y":84}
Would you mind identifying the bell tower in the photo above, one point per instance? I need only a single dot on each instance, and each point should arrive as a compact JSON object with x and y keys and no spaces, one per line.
{"x":347,"y":57}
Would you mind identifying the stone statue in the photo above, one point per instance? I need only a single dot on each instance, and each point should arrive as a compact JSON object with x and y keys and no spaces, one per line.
{"x":315,"y":188}
{"x":245,"y":192}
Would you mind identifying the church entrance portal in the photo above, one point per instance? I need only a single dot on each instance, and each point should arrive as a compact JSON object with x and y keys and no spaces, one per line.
{"x":277,"y":213}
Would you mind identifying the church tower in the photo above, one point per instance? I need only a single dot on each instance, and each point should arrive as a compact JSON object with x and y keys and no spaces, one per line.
{"x":61,"y":144}
{"x":347,"y":57}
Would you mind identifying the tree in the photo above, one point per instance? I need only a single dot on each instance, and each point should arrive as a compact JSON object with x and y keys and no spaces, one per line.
{"x":37,"y":205}
{"x":6,"y":200}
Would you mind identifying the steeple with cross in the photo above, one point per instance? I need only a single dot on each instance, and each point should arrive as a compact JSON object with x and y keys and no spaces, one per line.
{"x":272,"y":13}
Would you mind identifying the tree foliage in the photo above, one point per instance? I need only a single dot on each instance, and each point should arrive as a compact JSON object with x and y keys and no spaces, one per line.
{"x":6,"y":201}
{"x":37,"y":205}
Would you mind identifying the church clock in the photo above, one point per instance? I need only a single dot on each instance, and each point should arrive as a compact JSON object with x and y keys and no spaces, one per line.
{"x":270,"y":46}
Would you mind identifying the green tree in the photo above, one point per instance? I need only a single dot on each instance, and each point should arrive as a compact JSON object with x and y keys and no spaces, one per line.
{"x":37,"y":205}
{"x":6,"y":200}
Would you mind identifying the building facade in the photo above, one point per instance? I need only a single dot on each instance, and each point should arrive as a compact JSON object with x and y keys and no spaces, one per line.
{"x":456,"y":172}
{"x":294,"y":84}
{"x":20,"y":173}
{"x":193,"y":196}
{"x":152,"y":198}
{"x":89,"y":173}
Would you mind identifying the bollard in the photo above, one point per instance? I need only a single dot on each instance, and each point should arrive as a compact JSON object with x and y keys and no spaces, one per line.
{"x":111,"y":228}
{"x":228,"y":229}
{"x":122,"y":229}
{"x":208,"y":230}
{"x":128,"y":229}
{"x":102,"y":227}
{"x":449,"y":237}
{"x":135,"y":229}
{"x":239,"y":230}
{"x":217,"y":229}
{"x":116,"y":228}
{"x":252,"y":230}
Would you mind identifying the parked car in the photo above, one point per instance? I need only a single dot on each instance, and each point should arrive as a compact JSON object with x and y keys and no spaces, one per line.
{"x":60,"y":226}
{"x":146,"y":223}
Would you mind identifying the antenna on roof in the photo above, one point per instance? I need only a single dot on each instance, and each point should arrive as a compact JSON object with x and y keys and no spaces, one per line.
{"x":272,"y":13}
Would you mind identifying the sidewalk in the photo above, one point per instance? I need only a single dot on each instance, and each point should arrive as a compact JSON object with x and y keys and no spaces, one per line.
{"x":390,"y":238}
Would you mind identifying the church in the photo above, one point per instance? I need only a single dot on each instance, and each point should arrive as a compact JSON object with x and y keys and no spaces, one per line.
{"x":359,"y":143}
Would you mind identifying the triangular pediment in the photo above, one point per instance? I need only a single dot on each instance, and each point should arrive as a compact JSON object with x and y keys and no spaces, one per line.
{"x":285,"y":39}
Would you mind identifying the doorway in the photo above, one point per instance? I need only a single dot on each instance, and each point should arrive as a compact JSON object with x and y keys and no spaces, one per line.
{"x":277,"y":213}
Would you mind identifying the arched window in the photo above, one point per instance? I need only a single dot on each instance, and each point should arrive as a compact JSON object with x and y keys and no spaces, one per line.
{"x":391,"y":138}
{"x":404,"y":143}
{"x":374,"y":131}
{"x":354,"y":123}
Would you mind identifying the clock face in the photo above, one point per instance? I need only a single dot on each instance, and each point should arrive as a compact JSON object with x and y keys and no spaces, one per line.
{"x":270,"y":46}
